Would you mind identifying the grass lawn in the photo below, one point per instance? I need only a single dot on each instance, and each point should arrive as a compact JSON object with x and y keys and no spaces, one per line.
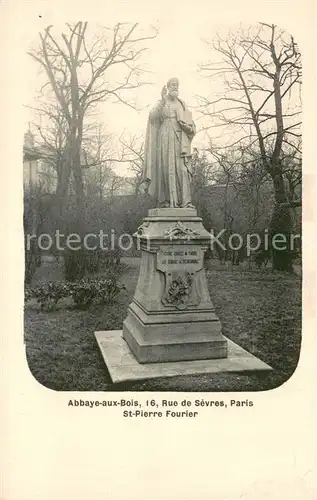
{"x":259,"y":310}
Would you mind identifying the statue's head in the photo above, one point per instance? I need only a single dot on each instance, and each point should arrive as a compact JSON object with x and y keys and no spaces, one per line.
{"x":172,"y":87}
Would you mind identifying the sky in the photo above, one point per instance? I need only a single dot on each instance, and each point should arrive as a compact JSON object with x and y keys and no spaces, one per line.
{"x":178,"y":50}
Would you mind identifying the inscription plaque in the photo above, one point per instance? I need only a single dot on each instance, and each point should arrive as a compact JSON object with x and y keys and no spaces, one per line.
{"x":180,"y":257}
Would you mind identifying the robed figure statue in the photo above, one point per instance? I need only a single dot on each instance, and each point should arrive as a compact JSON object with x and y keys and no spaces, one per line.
{"x":167,"y":150}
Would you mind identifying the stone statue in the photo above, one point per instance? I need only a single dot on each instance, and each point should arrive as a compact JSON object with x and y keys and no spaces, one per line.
{"x":167,"y":154}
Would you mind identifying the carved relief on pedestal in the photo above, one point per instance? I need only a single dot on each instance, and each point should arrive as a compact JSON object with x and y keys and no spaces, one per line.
{"x":141,"y":229}
{"x":180,"y":265}
{"x":179,"y":291}
{"x":179,"y":231}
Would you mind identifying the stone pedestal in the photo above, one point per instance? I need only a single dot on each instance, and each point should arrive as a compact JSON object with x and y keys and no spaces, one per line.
{"x":171,"y":317}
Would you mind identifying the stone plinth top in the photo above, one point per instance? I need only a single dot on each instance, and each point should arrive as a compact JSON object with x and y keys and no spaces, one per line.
{"x":172,"y":212}
{"x":166,"y":224}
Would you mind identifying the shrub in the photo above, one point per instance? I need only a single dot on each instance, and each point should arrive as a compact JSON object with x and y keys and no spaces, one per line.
{"x":48,"y":294}
{"x":27,"y":293}
{"x":102,"y":290}
{"x":107,"y":289}
{"x":83,"y":293}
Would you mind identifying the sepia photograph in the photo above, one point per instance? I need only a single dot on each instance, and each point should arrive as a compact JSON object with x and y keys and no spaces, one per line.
{"x":162,"y":217}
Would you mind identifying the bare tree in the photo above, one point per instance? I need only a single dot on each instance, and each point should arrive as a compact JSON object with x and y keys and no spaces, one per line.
{"x":203,"y":170}
{"x":260,"y":69}
{"x":79,"y":69}
{"x":227,"y":165}
{"x":77,"y":74}
{"x":253,"y":190}
{"x":98,"y":149}
{"x":292,"y":172}
{"x":132,"y":152}
{"x":291,"y":160}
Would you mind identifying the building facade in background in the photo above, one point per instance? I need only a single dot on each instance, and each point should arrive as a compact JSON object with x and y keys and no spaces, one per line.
{"x":38,"y":172}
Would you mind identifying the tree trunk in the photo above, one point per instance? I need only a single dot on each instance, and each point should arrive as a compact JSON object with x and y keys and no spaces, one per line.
{"x":62,"y":191}
{"x":31,"y":227}
{"x":281,"y":224}
{"x":76,"y":260}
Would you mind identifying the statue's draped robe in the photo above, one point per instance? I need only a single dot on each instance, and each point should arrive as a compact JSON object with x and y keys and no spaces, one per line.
{"x":167,"y":155}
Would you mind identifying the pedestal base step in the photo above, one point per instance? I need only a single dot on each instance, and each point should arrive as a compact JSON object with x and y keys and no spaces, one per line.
{"x":123,"y":366}
{"x":178,"y":341}
{"x":186,"y":350}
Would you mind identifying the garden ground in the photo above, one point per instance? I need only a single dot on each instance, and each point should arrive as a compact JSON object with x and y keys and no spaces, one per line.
{"x":259,"y":309}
